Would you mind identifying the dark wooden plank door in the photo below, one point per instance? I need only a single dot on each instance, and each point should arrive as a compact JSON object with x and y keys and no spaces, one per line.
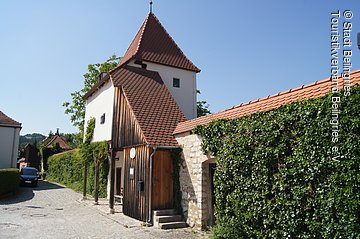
{"x":162,"y":187}
{"x":135,"y":202}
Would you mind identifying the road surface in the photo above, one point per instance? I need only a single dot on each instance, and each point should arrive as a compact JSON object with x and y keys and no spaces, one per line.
{"x":53,"y":211}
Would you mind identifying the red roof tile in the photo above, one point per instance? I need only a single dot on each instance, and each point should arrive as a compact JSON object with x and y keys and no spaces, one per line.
{"x":58,"y":139}
{"x":313,"y":90}
{"x":152,"y":43}
{"x":7,"y":121}
{"x":154,"y":108}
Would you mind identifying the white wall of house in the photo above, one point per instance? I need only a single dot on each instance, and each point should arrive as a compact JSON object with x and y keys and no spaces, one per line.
{"x":194,"y":181}
{"x":9,"y":144}
{"x":185,"y":95}
{"x":101,"y":102}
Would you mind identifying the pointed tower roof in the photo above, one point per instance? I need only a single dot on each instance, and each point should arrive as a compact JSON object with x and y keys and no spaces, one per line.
{"x":152,"y":43}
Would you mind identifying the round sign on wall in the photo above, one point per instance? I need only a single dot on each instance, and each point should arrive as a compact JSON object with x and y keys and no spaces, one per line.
{"x":132,"y":153}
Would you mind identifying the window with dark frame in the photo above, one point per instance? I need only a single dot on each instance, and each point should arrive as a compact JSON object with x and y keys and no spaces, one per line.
{"x":176,"y":82}
{"x":102,"y":119}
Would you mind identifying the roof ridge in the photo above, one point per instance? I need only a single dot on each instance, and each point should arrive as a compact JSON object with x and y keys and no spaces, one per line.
{"x":51,"y":140}
{"x":141,"y":36}
{"x":139,"y":69}
{"x":139,"y":49}
{"x":312,"y":90}
{"x":142,"y":29}
{"x":280,"y":93}
{"x":172,"y":39}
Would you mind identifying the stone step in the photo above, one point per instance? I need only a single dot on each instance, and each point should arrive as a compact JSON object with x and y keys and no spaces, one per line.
{"x":164,"y":212}
{"x":172,"y":218}
{"x":172,"y":225}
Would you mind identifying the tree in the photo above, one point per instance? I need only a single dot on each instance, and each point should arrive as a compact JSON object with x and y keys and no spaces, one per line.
{"x":202,"y":107}
{"x":72,"y":139}
{"x":86,"y":151}
{"x":76,"y":108}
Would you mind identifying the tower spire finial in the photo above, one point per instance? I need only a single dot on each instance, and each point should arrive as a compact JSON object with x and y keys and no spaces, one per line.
{"x":151,"y":3}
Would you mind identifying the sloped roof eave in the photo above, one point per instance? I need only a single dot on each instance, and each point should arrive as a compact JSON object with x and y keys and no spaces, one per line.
{"x":312,"y":90}
{"x":6,"y":121}
{"x":11,"y":125}
{"x":97,"y":86}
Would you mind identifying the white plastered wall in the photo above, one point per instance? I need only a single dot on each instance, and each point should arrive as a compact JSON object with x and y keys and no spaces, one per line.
{"x":96,"y":105}
{"x":9,"y":144}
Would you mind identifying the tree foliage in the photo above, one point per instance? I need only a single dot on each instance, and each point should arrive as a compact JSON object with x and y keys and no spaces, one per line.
{"x":276,"y":176}
{"x":202,"y":107}
{"x":76,"y":108}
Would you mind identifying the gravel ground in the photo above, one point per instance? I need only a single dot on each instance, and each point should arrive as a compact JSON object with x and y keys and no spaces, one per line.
{"x":54,"y":211}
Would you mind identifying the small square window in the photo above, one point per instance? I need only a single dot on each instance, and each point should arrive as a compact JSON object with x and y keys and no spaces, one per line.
{"x":176,"y":82}
{"x":102,"y":119}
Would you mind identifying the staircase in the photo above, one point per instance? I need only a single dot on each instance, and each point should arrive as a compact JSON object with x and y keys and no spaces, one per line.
{"x":167,"y":219}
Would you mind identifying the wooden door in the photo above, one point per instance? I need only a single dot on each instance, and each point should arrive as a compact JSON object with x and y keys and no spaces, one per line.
{"x":118,"y":185}
{"x":162,"y":181}
{"x":135,"y":202}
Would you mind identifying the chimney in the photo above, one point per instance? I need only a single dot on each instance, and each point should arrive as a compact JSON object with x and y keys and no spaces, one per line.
{"x":57,"y":131}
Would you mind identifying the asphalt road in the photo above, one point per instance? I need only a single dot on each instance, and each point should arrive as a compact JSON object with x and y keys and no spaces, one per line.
{"x":53,"y":211}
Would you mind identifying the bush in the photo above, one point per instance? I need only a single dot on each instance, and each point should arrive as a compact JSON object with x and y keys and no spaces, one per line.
{"x":9,"y":180}
{"x":68,"y":168}
{"x":277,"y":175}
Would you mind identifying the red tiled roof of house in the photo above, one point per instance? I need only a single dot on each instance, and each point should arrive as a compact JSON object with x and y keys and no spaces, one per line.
{"x":7,"y":121}
{"x":314,"y":90}
{"x":152,"y":43}
{"x":58,"y":139}
{"x":155,"y":109}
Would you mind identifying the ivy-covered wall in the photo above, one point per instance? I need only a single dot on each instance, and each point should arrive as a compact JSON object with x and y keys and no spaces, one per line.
{"x":68,"y":168}
{"x":277,"y":174}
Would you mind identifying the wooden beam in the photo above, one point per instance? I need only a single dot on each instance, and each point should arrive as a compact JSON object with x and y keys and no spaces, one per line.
{"x":112,"y":180}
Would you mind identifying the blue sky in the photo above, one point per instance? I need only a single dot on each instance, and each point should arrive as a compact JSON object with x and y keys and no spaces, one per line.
{"x":245,"y":49}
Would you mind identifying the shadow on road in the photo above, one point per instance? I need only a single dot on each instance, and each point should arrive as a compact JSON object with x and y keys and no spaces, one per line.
{"x":26,"y":193}
{"x":45,"y":185}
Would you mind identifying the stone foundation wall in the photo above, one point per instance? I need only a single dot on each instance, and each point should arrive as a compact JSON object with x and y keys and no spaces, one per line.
{"x":194,"y":181}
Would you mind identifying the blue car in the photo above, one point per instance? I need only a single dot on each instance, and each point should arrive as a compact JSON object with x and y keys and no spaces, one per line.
{"x":29,"y":176}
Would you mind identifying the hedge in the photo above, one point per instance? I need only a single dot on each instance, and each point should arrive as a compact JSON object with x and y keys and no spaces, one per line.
{"x":9,"y":180}
{"x":277,"y":175}
{"x":67,"y":168}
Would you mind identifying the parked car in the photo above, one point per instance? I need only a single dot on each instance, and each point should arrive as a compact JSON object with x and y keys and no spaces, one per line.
{"x":29,"y":176}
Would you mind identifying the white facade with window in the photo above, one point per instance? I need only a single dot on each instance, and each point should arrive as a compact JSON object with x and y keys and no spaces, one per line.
{"x":100,"y":106}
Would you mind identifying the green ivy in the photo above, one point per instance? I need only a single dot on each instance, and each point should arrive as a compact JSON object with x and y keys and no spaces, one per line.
{"x":67,"y":168}
{"x":276,"y":177}
{"x":9,"y":180}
